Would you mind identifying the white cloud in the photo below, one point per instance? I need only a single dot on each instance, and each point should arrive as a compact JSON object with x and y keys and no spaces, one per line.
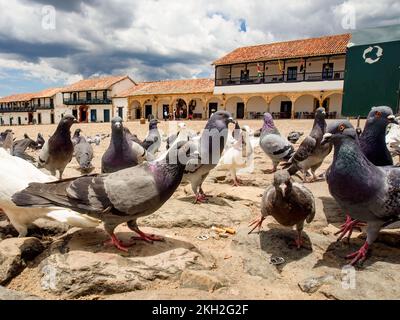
{"x":151,"y":39}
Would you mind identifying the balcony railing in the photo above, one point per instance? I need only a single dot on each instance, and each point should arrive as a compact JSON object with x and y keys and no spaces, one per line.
{"x":87,"y":101}
{"x":282,"y":77}
{"x":17,"y":109}
{"x":44,"y":106}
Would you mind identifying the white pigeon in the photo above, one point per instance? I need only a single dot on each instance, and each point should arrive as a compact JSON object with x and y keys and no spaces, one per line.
{"x":237,"y":156}
{"x":393,"y":139}
{"x":16,"y":176}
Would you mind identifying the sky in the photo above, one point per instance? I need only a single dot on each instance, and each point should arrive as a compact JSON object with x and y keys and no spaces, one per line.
{"x":47,"y":43}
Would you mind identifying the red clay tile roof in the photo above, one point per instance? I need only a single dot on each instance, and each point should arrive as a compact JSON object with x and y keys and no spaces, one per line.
{"x":170,"y":87}
{"x":327,"y":45}
{"x":101,"y":83}
{"x":17,"y":97}
{"x":47,"y":93}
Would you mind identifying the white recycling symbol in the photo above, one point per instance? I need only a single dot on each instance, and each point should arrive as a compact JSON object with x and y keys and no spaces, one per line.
{"x":379,"y":54}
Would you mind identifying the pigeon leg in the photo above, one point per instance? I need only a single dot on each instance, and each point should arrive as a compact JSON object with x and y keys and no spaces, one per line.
{"x":116,"y":243}
{"x":299,"y":239}
{"x":143,"y":236}
{"x":200,"y":198}
{"x":372,"y":233}
{"x":257,"y":223}
{"x":348,"y":227}
{"x":359,"y":255}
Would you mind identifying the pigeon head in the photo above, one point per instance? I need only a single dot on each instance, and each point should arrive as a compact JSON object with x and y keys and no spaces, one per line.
{"x":116,"y":124}
{"x":268,"y":121}
{"x":320,"y":113}
{"x":67,"y":121}
{"x":153,"y":124}
{"x":282,"y":180}
{"x":380,"y":117}
{"x":219,"y":120}
{"x":77,"y":132}
{"x":338,"y":131}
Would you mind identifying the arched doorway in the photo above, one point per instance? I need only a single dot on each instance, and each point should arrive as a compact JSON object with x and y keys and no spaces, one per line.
{"x":256,"y":106}
{"x":235,"y":105}
{"x":333,"y":105}
{"x":213,"y":105}
{"x":281,"y":107}
{"x":180,"y":109}
{"x":195,"y":109}
{"x":83,"y":113}
{"x":304,"y":106}
{"x":134,"y":110}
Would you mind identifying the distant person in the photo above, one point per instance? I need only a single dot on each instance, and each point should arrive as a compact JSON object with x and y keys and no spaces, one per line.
{"x":165,"y":115}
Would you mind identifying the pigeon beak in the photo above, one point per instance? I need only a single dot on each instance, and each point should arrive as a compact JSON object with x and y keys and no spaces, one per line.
{"x":283,"y":187}
{"x":326,"y":137}
{"x":230,"y":120}
{"x":391,"y":118}
{"x":118,"y":125}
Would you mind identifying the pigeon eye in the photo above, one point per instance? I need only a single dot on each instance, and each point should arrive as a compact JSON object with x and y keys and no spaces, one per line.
{"x":341,"y":127}
{"x":378,"y":114}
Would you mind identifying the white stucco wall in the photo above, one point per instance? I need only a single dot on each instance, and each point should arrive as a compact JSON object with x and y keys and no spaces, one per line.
{"x":121,"y":102}
{"x":256,"y":104}
{"x":121,"y":86}
{"x":304,"y":104}
{"x":231,"y":105}
{"x":275,"y":105}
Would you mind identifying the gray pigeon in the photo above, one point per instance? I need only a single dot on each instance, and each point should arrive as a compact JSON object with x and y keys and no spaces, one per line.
{"x":311,"y":153}
{"x":84,"y":155}
{"x":122,"y":152}
{"x":367,"y":192}
{"x":118,"y":197}
{"x":153,"y":140}
{"x":39,"y":141}
{"x":19,"y":147}
{"x":7,"y":139}
{"x":210,"y":146}
{"x":76,"y":136}
{"x":276,"y":147}
{"x":294,"y":136}
{"x":58,"y":150}
{"x":290,"y":203}
{"x":373,"y":145}
{"x":372,"y":139}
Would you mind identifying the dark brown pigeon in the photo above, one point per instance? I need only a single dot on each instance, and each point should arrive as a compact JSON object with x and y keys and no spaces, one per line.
{"x":290,"y":203}
{"x":58,"y":150}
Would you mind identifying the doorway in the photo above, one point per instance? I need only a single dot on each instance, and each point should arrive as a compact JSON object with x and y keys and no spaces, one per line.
{"x":121,"y":112}
{"x":147,"y":110}
{"x":39,"y":118}
{"x":93,"y":115}
{"x":286,"y":109}
{"x":83,"y":111}
{"x":212,"y":107}
{"x":74,"y":113}
{"x":165,"y":111}
{"x":30,"y":117}
{"x":240,"y":110}
{"x":52,"y":118}
{"x":106,"y":115}
{"x":137,"y":113}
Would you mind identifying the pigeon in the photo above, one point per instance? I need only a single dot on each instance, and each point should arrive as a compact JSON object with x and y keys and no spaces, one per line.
{"x":373,"y":145}
{"x":290,"y":203}
{"x":83,"y":152}
{"x":19,"y":147}
{"x":153,"y":140}
{"x":294,"y":136}
{"x":132,"y":136}
{"x":58,"y":150}
{"x":392,"y":140}
{"x":276,"y":147}
{"x":118,"y":197}
{"x":172,"y":137}
{"x":210,"y":146}
{"x":39,"y":141}
{"x":7,"y":139}
{"x":372,"y":139}
{"x":76,"y":136}
{"x":18,"y":175}
{"x":122,"y":152}
{"x":238,"y":156}
{"x":183,"y":134}
{"x":367,"y":192}
{"x":311,"y":153}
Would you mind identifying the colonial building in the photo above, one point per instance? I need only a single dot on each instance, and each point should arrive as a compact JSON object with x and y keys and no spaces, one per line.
{"x":176,"y":98}
{"x":289,"y":79}
{"x":90,"y":100}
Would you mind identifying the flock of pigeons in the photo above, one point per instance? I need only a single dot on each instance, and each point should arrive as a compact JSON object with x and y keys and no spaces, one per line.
{"x":137,"y":178}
